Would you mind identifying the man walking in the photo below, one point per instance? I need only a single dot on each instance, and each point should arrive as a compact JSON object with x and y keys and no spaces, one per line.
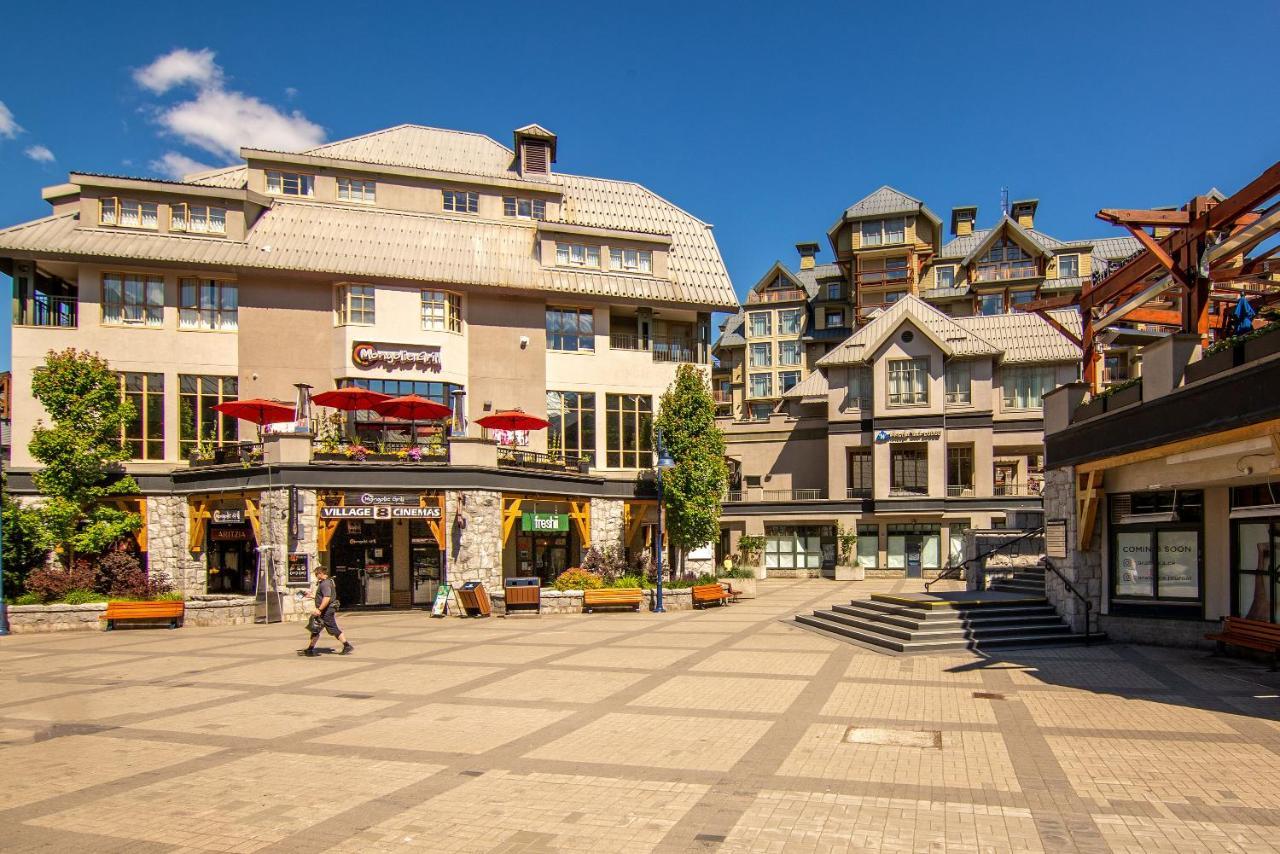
{"x":325,"y":614}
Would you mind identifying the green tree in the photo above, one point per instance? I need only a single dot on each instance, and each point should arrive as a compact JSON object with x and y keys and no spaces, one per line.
{"x":26,"y":543}
{"x":80,"y":453}
{"x":693,"y":489}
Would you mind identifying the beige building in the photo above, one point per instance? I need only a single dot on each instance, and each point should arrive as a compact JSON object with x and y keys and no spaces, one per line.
{"x":409,"y":260}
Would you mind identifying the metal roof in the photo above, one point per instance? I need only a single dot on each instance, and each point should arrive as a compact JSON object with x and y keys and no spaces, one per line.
{"x":809,"y":278}
{"x":887,"y":201}
{"x":944,"y":293}
{"x":1036,"y":239}
{"x":814,"y":385}
{"x":1023,"y":337}
{"x":420,"y":147}
{"x":1115,"y":248}
{"x":731,"y":337}
{"x":1067,"y":283}
{"x":954,"y":340}
{"x":961,"y":247}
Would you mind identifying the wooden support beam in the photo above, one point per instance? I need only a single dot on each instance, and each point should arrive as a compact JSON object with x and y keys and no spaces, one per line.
{"x":253,"y":513}
{"x":1195,"y":443}
{"x":510,"y":515}
{"x":197,"y":520}
{"x":326,"y":528}
{"x":436,"y":526}
{"x":1048,"y":303}
{"x":1124,"y":216}
{"x":1088,"y":491}
{"x":1157,"y":252}
{"x":580,"y":513}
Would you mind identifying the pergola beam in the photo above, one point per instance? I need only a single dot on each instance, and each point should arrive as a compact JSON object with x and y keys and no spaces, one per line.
{"x":1125,"y":216}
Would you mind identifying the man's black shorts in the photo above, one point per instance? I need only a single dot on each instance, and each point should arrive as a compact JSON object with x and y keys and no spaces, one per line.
{"x":330,"y":621}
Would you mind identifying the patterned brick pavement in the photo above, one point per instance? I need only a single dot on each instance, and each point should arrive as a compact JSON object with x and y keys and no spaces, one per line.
{"x":720,"y":731}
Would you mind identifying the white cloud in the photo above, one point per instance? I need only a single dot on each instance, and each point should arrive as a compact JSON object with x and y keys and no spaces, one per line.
{"x":40,"y":154}
{"x":174,"y":165}
{"x":217,"y":119}
{"x":179,"y":67}
{"x":290,"y":92}
{"x":9,"y":126}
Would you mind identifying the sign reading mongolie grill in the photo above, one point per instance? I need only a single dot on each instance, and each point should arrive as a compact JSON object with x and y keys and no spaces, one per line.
{"x":365,"y":354}
{"x":544,"y":523}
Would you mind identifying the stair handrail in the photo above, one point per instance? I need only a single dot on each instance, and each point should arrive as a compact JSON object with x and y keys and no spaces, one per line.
{"x":1071,"y":588}
{"x":953,"y":571}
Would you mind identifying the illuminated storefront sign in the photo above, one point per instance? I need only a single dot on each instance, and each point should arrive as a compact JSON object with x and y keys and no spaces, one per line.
{"x":365,"y":354}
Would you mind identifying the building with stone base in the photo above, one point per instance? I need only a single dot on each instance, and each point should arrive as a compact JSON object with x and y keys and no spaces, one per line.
{"x":412,"y":260}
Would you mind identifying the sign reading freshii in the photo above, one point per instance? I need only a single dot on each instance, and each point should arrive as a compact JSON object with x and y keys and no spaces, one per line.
{"x":549,"y":523}
{"x":883,"y":436}
{"x":365,"y":354}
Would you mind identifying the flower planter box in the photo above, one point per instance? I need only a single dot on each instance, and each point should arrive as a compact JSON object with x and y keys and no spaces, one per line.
{"x":1124,"y":397}
{"x":1092,"y":409}
{"x":1214,"y":363}
{"x":746,"y":587}
{"x":850,"y":573}
{"x":1262,"y":346}
{"x":322,"y":457}
{"x":673,"y":599}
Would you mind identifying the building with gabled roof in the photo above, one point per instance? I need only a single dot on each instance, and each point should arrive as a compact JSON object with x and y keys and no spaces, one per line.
{"x":410,"y":260}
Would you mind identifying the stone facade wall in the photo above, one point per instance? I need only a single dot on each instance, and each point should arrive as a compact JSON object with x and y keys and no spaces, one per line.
{"x":606,"y":522}
{"x":1181,"y":633}
{"x":679,"y":599}
{"x":168,"y":526}
{"x":473,"y":524}
{"x":203,"y":611}
{"x":219,"y":611}
{"x":1082,"y":568}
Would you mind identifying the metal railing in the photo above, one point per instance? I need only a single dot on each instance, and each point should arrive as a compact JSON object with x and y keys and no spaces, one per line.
{"x":908,"y":491}
{"x":776,"y":296}
{"x":625,"y":341}
{"x":883,"y":277}
{"x":953,"y":571}
{"x":663,"y":349}
{"x":858,"y":492}
{"x":230,"y":453}
{"x":793,"y":494}
{"x":1071,"y":588}
{"x":536,"y":461}
{"x":1017,"y":488}
{"x":959,"y":490}
{"x":722,"y":397}
{"x":1006,"y":270}
{"x":58,"y":312}
{"x":732,"y":497}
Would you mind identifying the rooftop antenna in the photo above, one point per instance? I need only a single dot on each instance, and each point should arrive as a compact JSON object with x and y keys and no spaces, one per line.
{"x":1004,"y":200}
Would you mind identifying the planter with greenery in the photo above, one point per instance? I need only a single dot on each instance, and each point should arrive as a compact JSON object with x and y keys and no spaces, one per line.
{"x":751,"y":553}
{"x":740,"y":578}
{"x":847,"y":566}
{"x":1222,"y":356}
{"x":1264,"y":342}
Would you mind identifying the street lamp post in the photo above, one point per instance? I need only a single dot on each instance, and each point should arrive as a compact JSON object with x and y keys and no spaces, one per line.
{"x":664,"y":462}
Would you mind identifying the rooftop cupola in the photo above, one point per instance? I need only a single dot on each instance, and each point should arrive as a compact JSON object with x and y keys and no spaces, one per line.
{"x":808,"y":255}
{"x":535,"y":150}
{"x":1024,"y":212}
{"x":962,"y":220}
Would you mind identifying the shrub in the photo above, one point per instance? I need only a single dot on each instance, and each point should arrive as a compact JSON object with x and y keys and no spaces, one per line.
{"x":27,"y":599}
{"x":575,"y":578}
{"x":51,"y":582}
{"x":122,"y":577}
{"x":706,"y":578}
{"x":608,"y":563}
{"x":82,"y":597}
{"x":631,"y":581}
{"x":751,"y":548}
{"x":678,"y":582}
{"x":737,"y":572}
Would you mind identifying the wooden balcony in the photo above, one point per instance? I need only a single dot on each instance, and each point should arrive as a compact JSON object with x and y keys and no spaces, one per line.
{"x":793,"y":295}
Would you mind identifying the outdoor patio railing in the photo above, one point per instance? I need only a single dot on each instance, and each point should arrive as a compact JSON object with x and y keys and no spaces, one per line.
{"x":512,"y":458}
{"x":230,"y":453}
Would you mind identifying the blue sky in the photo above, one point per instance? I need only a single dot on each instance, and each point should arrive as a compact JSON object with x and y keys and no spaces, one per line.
{"x":765,"y":119}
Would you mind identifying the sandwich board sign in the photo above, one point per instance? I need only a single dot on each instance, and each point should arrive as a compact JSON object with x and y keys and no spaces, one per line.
{"x":441,"y":604}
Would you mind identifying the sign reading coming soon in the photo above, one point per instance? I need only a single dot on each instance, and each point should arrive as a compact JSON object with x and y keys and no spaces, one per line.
{"x":369,"y":355}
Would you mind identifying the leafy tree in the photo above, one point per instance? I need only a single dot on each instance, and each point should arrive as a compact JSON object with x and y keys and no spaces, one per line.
{"x":693,"y":488}
{"x":26,"y":543}
{"x":80,"y":453}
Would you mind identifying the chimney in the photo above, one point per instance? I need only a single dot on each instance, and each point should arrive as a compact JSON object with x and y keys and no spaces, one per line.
{"x":962,"y":220}
{"x":535,"y":150}
{"x":1024,"y":212}
{"x":808,"y":255}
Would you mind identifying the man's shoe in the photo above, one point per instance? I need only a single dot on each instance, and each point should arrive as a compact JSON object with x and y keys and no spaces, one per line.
{"x":347,"y":649}
{"x":310,"y":652}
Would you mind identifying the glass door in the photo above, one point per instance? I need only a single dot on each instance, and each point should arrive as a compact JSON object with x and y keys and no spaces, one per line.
{"x":1256,"y":581}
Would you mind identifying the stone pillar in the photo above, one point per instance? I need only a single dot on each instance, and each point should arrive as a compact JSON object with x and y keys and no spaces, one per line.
{"x":473,"y":522}
{"x":606,"y":523}
{"x":168,"y":525}
{"x":1083,"y":568}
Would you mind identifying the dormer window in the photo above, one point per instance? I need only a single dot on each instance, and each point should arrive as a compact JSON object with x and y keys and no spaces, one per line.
{"x":129,"y":213}
{"x":884,"y":232}
{"x":460,"y":201}
{"x":946,"y":276}
{"x":524,"y":208}
{"x":631,"y":260}
{"x":356,"y":190}
{"x":1068,"y":266}
{"x":290,"y":184}
{"x":197,"y":219}
{"x":577,"y":255}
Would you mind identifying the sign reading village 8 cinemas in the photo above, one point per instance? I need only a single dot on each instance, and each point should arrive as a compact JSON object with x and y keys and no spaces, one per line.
{"x":408,"y":356}
{"x":374,"y":505}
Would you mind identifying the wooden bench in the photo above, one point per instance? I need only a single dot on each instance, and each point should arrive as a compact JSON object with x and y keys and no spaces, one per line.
{"x":116,"y":611}
{"x":732,"y":592}
{"x":704,"y":594}
{"x":1253,"y":634}
{"x":611,"y":597}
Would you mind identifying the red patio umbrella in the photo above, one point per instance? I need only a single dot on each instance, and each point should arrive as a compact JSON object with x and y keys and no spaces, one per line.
{"x":512,"y":419}
{"x":413,"y":408}
{"x":350,"y":398}
{"x":257,"y":410}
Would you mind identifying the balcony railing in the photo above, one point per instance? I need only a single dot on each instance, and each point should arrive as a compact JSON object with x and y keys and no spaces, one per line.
{"x":793,"y":495}
{"x":663,"y":349}
{"x":733,"y":497}
{"x":876,"y":278}
{"x":858,"y":492}
{"x":1006,"y":270}
{"x":230,"y":453}
{"x":535,"y":461}
{"x":58,"y":312}
{"x":776,"y":296}
{"x":964,"y":490}
{"x":908,"y":491}
{"x":625,"y":341}
{"x":722,"y":398}
{"x":1011,"y":488}
{"x":433,"y":453}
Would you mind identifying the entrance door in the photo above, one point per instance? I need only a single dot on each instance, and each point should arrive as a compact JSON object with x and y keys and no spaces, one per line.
{"x":361,"y":556}
{"x":913,"y":556}
{"x":425,"y":562}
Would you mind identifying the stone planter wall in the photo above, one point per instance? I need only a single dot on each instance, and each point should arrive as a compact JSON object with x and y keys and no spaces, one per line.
{"x":678,"y":599}
{"x":30,"y":619}
{"x":561,"y":601}
{"x":219,"y":611}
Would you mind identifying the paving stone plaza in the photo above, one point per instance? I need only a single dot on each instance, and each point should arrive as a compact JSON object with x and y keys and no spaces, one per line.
{"x":726,"y":730}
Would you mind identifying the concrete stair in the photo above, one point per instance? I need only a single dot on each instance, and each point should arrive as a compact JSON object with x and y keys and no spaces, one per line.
{"x":978,"y":621}
{"x":1029,"y":580}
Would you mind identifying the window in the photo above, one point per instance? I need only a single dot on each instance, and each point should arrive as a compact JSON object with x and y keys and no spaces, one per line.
{"x":790,"y":321}
{"x":371,"y":427}
{"x":761,"y":355}
{"x":760,"y":411}
{"x":1068,"y":266}
{"x":833,"y":290}
{"x":761,"y":324}
{"x":958,"y":527}
{"x":959,"y":383}
{"x":883,"y":232}
{"x":859,"y":394}
{"x":1005,"y":260}
{"x":461,"y":201}
{"x":868,"y":546}
{"x":577,"y":255}
{"x":762,"y":385}
{"x":207,"y":304}
{"x":909,"y":382}
{"x":198,"y":422}
{"x":833,"y":318}
{"x":910,"y":543}
{"x":787,"y":380}
{"x":355,"y":305}
{"x":991,"y":304}
{"x":1021,"y":297}
{"x":524,"y":208}
{"x":441,"y":311}
{"x":133,"y":299}
{"x":143,"y":435}
{"x":788,"y":352}
{"x":861,"y":479}
{"x":197,"y":219}
{"x":129,"y":213}
{"x":884,"y":271}
{"x":946,"y":276}
{"x":1156,"y":563}
{"x":40,"y":300}
{"x":627,"y":431}
{"x":570,"y":330}
{"x":290,"y":184}
{"x":356,"y":190}
{"x":1255,"y":566}
{"x":796,"y":547}
{"x":908,"y":470}
{"x":959,"y":470}
{"x":631,"y":260}
{"x":572,"y":430}
{"x":1023,"y":388}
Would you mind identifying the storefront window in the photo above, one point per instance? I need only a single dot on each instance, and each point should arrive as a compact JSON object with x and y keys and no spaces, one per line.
{"x":1133,"y":564}
{"x":1155,"y":547}
{"x":1255,"y":567}
{"x":143,"y":435}
{"x":956,"y":542}
{"x":572,"y":417}
{"x":1178,"y":564}
{"x":792,"y":547}
{"x":868,"y":546}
